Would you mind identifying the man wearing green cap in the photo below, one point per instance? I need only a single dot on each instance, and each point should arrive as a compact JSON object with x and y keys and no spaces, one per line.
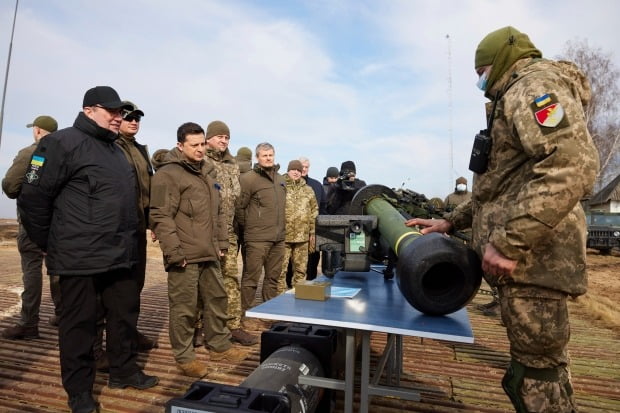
{"x":532,"y":165}
{"x":31,"y":255}
{"x":227,"y":172}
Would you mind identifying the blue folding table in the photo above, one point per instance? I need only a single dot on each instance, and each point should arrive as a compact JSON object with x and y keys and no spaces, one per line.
{"x":379,"y":306}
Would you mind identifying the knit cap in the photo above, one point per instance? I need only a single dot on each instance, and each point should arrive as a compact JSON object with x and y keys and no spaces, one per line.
{"x":332,"y":172}
{"x":295,"y":164}
{"x":501,"y":48}
{"x":347,"y":166}
{"x":217,"y":127}
{"x":244,"y":154}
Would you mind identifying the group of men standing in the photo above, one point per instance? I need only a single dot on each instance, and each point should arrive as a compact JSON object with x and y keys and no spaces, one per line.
{"x":87,"y":195}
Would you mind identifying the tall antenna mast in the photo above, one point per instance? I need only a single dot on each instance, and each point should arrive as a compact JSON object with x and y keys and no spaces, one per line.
{"x":450,"y":112}
{"x":6,"y":74}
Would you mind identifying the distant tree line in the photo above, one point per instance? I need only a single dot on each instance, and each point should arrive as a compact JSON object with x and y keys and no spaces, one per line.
{"x":602,"y":113}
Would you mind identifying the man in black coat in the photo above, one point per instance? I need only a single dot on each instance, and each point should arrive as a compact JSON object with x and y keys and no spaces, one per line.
{"x":78,"y":205}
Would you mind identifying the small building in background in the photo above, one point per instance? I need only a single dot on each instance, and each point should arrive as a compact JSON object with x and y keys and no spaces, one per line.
{"x":608,"y":198}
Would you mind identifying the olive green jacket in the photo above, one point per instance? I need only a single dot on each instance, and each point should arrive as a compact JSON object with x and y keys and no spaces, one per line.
{"x":185,"y":210}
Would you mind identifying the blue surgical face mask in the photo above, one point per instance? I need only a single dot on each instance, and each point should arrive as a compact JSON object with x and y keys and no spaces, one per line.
{"x":482,"y":81}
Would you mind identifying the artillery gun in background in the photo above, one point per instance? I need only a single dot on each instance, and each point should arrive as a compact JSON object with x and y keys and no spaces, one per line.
{"x":436,"y":274}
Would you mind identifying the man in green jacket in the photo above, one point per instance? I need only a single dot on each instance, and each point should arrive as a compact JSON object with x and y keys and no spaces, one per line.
{"x":191,"y":229}
{"x":528,"y":226}
{"x":260,"y":212}
{"x":31,"y":255}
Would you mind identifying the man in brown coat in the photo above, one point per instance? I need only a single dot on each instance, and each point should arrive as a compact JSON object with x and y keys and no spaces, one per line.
{"x":192,"y":233}
{"x":260,"y":211}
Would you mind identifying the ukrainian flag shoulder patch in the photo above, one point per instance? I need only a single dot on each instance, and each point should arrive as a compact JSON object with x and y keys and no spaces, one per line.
{"x":37,"y":160}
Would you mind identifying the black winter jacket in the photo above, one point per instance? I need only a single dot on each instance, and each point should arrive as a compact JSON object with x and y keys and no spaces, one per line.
{"x":78,"y":201}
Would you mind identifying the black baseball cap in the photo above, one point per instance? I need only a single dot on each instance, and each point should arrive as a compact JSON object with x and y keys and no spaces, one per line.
{"x":103,"y":96}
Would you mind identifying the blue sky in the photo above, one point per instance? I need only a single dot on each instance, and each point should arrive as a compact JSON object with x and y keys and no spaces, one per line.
{"x":373,"y":81}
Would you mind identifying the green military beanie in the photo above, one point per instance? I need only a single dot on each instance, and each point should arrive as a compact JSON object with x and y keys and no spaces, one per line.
{"x":244,"y":154}
{"x":217,"y":127}
{"x":501,"y":49}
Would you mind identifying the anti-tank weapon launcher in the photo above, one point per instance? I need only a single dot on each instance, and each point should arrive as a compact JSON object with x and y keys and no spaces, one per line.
{"x":435,"y":273}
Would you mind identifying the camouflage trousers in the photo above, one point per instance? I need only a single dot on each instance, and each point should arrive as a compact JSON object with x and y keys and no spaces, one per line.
{"x":297,"y":253}
{"x":230,"y":273}
{"x":537,"y":325}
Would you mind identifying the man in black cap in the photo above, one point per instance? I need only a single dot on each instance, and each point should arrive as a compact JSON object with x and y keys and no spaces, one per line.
{"x":339,"y":198}
{"x":31,"y":255}
{"x":138,"y":157}
{"x":78,"y":205}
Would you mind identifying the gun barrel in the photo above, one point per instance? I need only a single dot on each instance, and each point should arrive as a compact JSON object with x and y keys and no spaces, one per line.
{"x":436,"y":274}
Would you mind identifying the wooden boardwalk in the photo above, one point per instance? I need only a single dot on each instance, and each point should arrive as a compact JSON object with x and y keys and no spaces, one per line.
{"x":451,"y":377}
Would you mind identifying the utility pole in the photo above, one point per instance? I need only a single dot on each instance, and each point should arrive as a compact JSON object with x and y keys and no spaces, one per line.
{"x":6,"y":73}
{"x":450,"y":114}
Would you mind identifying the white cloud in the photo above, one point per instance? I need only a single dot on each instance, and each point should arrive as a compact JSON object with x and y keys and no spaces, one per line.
{"x":330,"y":80}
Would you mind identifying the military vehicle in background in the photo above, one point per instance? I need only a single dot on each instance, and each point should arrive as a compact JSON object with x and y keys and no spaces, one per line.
{"x":603,"y":231}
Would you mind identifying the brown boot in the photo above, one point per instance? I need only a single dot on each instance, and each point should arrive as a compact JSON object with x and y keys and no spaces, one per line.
{"x":251,"y":324}
{"x":231,"y":355}
{"x":18,"y":332}
{"x":243,"y":337}
{"x":145,"y":343}
{"x":194,"y":368}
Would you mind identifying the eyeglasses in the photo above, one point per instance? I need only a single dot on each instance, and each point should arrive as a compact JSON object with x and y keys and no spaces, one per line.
{"x":131,"y":118}
{"x":113,"y":112}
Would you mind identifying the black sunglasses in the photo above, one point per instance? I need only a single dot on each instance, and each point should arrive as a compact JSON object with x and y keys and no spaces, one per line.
{"x":131,"y":118}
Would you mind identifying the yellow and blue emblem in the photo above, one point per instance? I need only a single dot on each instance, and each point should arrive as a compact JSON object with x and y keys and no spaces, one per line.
{"x":37,"y":160}
{"x":548,"y":112}
{"x":34,"y":169}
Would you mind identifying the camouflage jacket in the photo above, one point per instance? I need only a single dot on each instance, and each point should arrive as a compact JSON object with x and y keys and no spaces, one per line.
{"x":227,"y":176}
{"x":542,"y":162}
{"x":301,"y":210}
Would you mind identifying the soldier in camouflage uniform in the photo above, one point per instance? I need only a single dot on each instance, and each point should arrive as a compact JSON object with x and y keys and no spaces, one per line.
{"x":528,"y":224}
{"x":227,"y":172}
{"x":301,"y":210}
